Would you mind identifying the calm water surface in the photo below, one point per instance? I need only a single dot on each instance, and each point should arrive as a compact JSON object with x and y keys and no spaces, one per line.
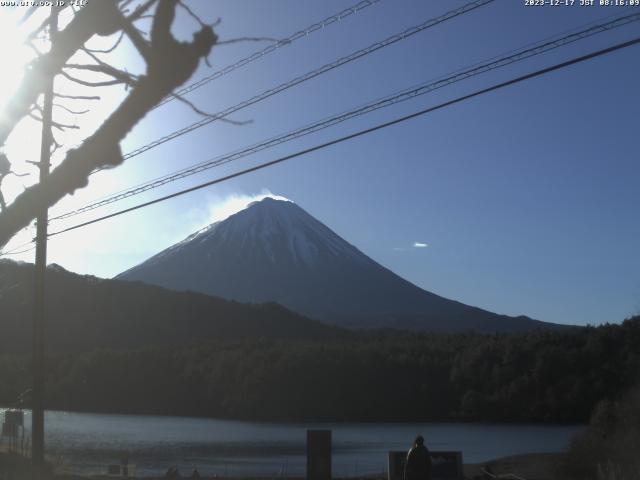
{"x":87,"y":443}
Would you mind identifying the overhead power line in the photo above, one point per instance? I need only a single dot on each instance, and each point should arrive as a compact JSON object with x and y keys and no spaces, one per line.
{"x":311,"y":74}
{"x":19,"y":249}
{"x":318,"y":26}
{"x":360,"y":133}
{"x":26,"y":250}
{"x":404,"y":95}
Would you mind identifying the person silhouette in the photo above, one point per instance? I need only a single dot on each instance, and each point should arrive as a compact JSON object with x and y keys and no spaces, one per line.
{"x":418,"y":464}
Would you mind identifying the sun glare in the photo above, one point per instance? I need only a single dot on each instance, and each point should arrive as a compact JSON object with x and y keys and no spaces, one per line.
{"x":14,"y":55}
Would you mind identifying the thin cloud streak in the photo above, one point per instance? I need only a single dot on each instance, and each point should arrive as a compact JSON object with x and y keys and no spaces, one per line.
{"x":223,"y":209}
{"x":414,"y":245}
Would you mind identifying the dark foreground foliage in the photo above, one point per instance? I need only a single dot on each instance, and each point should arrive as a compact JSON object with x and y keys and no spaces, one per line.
{"x":548,"y":376}
{"x":608,"y":450}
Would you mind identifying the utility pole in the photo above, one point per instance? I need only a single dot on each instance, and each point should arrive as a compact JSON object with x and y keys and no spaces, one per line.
{"x":37,"y":412}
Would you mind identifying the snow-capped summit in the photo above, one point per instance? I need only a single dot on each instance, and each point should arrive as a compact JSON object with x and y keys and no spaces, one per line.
{"x":277,"y":230}
{"x":274,"y":251}
{"x":282,"y":231}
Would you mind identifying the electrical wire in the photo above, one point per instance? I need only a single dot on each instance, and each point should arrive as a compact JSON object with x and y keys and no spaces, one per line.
{"x":17,"y":250}
{"x":305,"y":32}
{"x":404,"y":95}
{"x":310,"y":75}
{"x":360,"y":133}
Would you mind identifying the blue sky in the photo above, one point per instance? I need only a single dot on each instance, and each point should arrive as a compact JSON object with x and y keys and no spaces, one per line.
{"x":526,"y":197}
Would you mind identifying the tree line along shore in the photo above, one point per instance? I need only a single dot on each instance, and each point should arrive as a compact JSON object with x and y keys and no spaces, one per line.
{"x":554,"y":376}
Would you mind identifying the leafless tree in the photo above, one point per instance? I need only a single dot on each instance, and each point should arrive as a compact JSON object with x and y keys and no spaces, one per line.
{"x":169,"y":63}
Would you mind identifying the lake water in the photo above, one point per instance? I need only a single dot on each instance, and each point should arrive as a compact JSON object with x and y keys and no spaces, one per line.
{"x":87,"y":443}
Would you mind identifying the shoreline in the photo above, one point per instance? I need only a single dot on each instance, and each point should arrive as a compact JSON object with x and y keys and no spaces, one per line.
{"x":453,"y":421}
{"x":532,"y":466}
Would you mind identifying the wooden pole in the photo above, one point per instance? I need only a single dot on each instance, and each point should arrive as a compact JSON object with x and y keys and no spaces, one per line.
{"x":37,"y":414}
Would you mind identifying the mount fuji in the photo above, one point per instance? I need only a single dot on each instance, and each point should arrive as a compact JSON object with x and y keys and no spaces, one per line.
{"x":274,"y":251}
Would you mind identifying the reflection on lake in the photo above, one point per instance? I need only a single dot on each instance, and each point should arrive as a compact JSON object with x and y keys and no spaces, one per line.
{"x":86,"y":443}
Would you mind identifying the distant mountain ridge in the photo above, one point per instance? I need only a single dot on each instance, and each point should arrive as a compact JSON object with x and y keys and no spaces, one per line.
{"x":274,"y":251}
{"x":85,"y":312}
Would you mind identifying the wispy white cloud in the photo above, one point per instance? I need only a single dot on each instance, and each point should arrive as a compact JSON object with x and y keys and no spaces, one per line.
{"x":85,"y":250}
{"x":420,"y":245}
{"x":220,"y":209}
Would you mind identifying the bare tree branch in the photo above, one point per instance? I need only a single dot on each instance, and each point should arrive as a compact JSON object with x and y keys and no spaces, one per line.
{"x":34,"y":48}
{"x":171,"y":63}
{"x":5,"y":171}
{"x":141,"y":10}
{"x":193,"y":15}
{"x":55,"y":145}
{"x":72,"y":112}
{"x":205,"y":114}
{"x":43,"y":25}
{"x":141,"y":44}
{"x":136,"y":37}
{"x":106,"y":83}
{"x":119,"y":75}
{"x":77,"y":97}
{"x":101,"y":18}
{"x":27,"y":15}
{"x":110,"y":49}
{"x":60,"y":126}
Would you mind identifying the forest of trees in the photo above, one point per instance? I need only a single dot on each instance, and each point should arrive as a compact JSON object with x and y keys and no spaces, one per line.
{"x":543,"y":376}
{"x":607,"y":449}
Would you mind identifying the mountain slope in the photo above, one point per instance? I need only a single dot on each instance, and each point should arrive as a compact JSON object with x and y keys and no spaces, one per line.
{"x":275,"y":251}
{"x":85,"y":312}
